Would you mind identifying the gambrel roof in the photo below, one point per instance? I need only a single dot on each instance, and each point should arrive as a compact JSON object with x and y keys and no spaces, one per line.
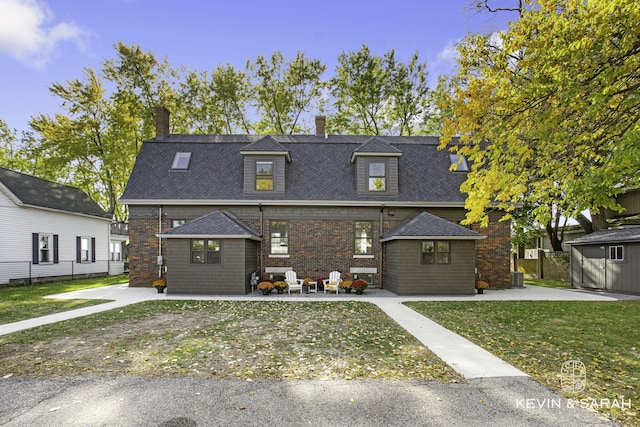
{"x":27,"y":190}
{"x":321,"y":170}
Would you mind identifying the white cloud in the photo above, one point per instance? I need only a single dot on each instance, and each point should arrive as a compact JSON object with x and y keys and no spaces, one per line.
{"x":449,"y":54}
{"x":29,"y":33}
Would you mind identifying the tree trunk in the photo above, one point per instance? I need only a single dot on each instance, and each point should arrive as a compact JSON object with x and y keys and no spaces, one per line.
{"x":599,"y":220}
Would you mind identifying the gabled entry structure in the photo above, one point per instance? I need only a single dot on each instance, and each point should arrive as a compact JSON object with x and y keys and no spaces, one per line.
{"x":212,"y":254}
{"x":429,"y":255}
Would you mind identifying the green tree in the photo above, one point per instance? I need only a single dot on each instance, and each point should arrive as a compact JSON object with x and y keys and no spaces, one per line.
{"x":378,"y":95}
{"x":284,"y":91}
{"x":548,"y":111}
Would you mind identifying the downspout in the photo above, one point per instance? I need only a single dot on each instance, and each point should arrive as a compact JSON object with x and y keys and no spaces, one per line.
{"x":159,"y":241}
{"x":261,"y":266}
{"x":380,"y":275}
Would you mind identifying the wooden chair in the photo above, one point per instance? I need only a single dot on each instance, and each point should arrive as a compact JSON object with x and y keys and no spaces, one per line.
{"x":333,"y":282}
{"x":293,"y":283}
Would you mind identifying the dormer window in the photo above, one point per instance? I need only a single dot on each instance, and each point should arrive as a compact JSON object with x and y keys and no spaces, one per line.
{"x":264,"y":175}
{"x":459,"y":161}
{"x":377,"y":176}
{"x":181,"y":161}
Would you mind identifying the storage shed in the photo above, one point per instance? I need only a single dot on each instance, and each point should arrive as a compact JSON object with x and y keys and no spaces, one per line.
{"x":607,"y":260}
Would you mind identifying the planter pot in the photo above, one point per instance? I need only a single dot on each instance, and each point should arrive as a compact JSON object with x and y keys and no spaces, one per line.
{"x":347,"y":290}
{"x":359,"y":291}
{"x":160,"y":290}
{"x":280,"y":290}
{"x":266,"y":291}
{"x":481,"y":290}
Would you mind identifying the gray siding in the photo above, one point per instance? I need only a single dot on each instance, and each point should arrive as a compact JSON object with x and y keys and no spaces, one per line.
{"x":592,"y":268}
{"x":279,"y":166}
{"x":406,"y":275}
{"x":391,"y":171}
{"x":624,"y":276}
{"x":228,"y":277}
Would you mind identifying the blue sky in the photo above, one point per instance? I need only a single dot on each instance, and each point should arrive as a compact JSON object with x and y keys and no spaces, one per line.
{"x":47,"y":41}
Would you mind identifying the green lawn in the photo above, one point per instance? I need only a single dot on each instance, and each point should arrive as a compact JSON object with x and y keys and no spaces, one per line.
{"x":25,"y":302}
{"x":539,"y":336}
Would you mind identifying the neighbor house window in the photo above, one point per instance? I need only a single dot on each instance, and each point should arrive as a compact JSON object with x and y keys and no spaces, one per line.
{"x":181,"y":161}
{"x":44,"y":248}
{"x":264,"y":175}
{"x":460,"y":162}
{"x":46,"y":243}
{"x":436,"y":252}
{"x":205,"y":251}
{"x":177,"y":222}
{"x":279,"y":237}
{"x":364,"y":238}
{"x":377,"y":176}
{"x":115,"y":249}
{"x":85,"y":249}
{"x":616,"y":253}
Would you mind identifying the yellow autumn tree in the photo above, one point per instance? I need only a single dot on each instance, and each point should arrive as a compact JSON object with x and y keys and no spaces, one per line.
{"x":548,"y":111}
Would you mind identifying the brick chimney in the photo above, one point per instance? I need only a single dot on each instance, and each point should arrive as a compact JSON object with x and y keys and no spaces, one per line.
{"x":321,"y":121}
{"x":162,"y":121}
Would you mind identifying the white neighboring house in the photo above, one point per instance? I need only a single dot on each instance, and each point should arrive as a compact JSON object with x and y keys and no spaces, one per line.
{"x":50,"y":230}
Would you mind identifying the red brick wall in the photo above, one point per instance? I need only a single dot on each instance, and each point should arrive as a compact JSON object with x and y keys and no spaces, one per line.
{"x":143,"y":252}
{"x":492,"y":254}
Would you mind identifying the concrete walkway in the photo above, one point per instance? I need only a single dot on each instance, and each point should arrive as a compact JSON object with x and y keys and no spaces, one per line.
{"x":468,"y":359}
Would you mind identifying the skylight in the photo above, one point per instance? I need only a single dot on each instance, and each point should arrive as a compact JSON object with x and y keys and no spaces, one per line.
{"x":460,"y":162}
{"x":181,"y":161}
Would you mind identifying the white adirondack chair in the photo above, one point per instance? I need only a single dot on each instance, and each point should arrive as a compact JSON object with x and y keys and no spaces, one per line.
{"x":333,"y":282}
{"x":293,"y":283}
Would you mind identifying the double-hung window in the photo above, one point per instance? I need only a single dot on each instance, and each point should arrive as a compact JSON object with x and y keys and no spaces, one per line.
{"x":45,"y":245}
{"x":377,"y":176}
{"x":436,"y":252}
{"x":279,"y":232}
{"x":205,"y":251}
{"x":363,"y":238}
{"x":264,"y":175}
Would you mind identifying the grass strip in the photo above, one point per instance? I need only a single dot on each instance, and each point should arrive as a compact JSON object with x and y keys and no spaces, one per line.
{"x":539,"y":336}
{"x":26,"y":301}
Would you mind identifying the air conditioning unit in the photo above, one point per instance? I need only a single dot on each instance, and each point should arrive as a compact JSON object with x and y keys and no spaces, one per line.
{"x":517,"y":279}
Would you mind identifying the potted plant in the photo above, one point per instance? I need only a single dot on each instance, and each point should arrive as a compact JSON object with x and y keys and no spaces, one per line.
{"x":346,"y":285}
{"x":266,"y":287}
{"x":280,"y":286}
{"x":481,"y":285}
{"x":160,"y":285}
{"x":359,"y":285}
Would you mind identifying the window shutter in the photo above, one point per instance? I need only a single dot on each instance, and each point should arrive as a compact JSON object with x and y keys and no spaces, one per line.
{"x":56,"y":258}
{"x":78,"y":249}
{"x":35,"y":251}
{"x":93,"y":249}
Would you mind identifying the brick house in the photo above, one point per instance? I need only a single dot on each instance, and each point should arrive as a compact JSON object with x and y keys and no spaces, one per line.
{"x":205,"y":211}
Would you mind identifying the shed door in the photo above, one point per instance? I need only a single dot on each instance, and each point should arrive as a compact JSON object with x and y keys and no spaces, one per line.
{"x":593,"y":266}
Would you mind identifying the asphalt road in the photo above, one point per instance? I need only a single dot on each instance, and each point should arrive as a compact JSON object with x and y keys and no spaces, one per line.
{"x":186,"y":402}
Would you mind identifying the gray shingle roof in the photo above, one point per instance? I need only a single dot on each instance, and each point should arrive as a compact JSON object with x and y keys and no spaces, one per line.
{"x":320,"y":171}
{"x":214,"y":224}
{"x":33,"y":191}
{"x":631,"y":234}
{"x":266,"y":144}
{"x":426,"y":225}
